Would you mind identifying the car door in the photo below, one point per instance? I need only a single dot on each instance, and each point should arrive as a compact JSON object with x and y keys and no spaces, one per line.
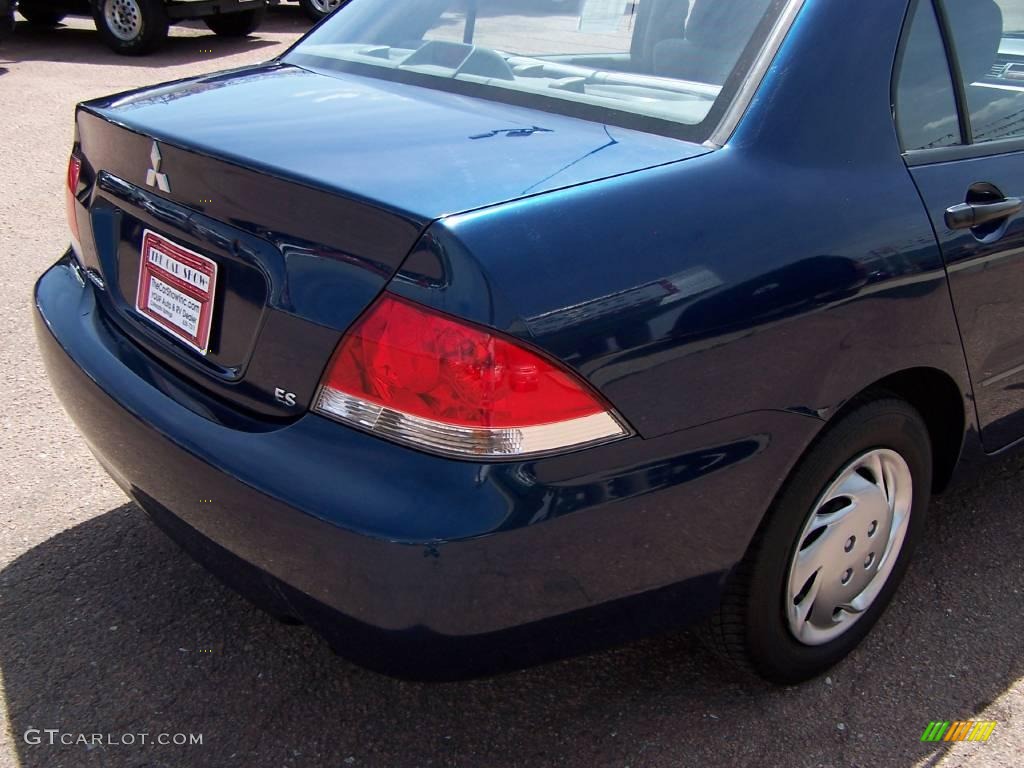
{"x":959,"y":106}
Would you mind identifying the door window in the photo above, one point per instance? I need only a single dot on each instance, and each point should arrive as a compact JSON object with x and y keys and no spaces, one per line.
{"x":988,"y":36}
{"x":926,"y":114}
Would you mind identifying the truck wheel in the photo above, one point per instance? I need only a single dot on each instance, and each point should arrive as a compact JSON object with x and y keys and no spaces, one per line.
{"x":40,"y":13}
{"x":131,"y":27}
{"x":238,"y":24}
{"x":318,"y":9}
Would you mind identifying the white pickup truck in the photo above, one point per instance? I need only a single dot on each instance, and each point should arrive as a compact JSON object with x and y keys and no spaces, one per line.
{"x":135,"y":27}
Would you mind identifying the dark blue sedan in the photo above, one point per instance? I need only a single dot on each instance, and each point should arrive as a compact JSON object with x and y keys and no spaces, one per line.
{"x":562,"y":325}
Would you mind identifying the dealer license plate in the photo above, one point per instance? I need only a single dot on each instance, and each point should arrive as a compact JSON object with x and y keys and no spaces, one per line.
{"x":176,"y":290}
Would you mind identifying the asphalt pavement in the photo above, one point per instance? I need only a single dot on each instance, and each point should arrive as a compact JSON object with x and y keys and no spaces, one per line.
{"x":107,"y":629}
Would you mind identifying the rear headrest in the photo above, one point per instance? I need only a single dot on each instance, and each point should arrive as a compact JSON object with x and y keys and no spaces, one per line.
{"x":724,"y":24}
{"x":978,"y":29}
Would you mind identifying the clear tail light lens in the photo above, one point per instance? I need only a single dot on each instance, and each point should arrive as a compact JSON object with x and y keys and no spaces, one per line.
{"x":74,"y":172}
{"x":413,"y":375}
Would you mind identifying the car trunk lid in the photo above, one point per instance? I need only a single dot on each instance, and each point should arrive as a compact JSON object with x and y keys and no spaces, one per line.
{"x":307,"y":192}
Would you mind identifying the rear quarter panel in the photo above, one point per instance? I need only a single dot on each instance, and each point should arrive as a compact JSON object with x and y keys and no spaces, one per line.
{"x":789,"y":270}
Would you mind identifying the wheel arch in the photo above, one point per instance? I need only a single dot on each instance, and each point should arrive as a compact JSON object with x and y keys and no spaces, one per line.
{"x":938,"y":398}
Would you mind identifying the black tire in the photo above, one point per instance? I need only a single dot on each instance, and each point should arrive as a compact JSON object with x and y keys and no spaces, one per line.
{"x":751,"y":628}
{"x":237,"y":24}
{"x":312,"y":12}
{"x":40,"y":13}
{"x":146,"y":35}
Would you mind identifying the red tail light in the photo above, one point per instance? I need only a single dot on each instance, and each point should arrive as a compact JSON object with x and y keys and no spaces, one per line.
{"x":74,"y":172}
{"x":416,"y":376}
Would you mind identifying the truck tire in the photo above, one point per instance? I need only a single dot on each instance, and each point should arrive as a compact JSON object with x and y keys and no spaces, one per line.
{"x":40,"y":13}
{"x":238,"y":24}
{"x":318,"y":9}
{"x":131,"y":27}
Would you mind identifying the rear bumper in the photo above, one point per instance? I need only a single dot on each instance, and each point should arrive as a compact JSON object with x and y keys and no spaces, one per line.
{"x":412,"y":564}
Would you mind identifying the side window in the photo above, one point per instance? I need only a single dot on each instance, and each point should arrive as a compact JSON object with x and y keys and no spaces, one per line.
{"x":988,"y":36}
{"x":926,"y":115}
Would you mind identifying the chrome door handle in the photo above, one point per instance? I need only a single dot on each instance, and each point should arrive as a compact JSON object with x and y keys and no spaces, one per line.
{"x":970,"y":215}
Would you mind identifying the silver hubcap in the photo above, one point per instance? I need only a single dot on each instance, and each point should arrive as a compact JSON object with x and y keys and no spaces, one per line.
{"x":123,"y":18}
{"x":848,"y":546}
{"x":325,"y":6}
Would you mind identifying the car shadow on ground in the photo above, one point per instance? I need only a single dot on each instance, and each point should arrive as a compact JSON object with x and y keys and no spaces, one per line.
{"x":284,"y":17}
{"x":78,"y":41}
{"x":74,"y":44}
{"x":108,"y":628}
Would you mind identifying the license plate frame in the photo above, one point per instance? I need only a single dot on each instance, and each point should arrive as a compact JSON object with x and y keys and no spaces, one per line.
{"x":176,"y":290}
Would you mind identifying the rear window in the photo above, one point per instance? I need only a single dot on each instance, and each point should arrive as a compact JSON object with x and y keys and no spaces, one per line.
{"x":669,"y":66}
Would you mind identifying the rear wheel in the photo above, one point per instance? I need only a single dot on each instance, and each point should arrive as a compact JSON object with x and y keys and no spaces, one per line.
{"x":833,"y":549}
{"x":40,"y":13}
{"x":237,"y":24}
{"x":318,"y":9}
{"x":131,"y":27}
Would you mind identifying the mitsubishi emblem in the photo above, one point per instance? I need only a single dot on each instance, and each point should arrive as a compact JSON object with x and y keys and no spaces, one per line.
{"x":153,"y":176}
